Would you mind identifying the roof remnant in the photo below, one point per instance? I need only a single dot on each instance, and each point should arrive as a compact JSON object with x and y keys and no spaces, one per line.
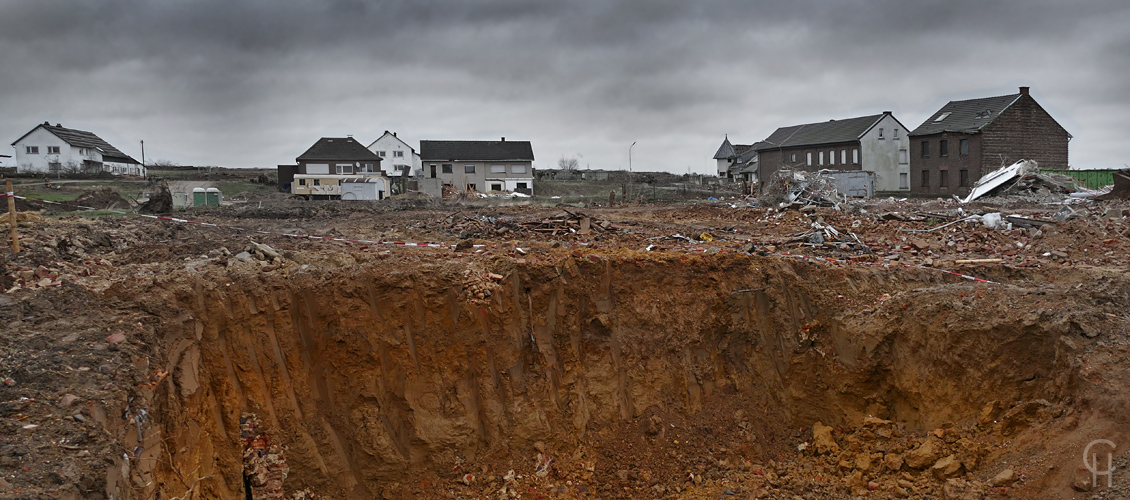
{"x":997,"y":178}
{"x":476,"y":150}
{"x":338,"y":148}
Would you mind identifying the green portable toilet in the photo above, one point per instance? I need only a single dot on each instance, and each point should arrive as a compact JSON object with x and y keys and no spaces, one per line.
{"x":213,"y":197}
{"x":199,"y":197}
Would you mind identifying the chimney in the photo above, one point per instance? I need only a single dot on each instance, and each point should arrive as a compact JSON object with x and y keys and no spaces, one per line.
{"x":350,"y":136}
{"x":503,"y":138}
{"x":393,"y":134}
{"x":47,"y":123}
{"x":59,"y":125}
{"x":887,"y":113}
{"x":1023,"y":90}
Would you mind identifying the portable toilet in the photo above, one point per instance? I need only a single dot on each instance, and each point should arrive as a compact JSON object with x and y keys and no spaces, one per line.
{"x":213,"y":197}
{"x":199,"y":197}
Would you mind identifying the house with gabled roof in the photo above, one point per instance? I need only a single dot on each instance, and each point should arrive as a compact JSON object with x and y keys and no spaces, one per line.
{"x":329,"y":162}
{"x":967,"y":139}
{"x":873,"y":143}
{"x":727,"y":156}
{"x":57,"y":149}
{"x":477,"y":166}
{"x":400,"y":159}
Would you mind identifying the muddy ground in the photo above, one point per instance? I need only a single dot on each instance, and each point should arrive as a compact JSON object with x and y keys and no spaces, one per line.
{"x":679,"y":351}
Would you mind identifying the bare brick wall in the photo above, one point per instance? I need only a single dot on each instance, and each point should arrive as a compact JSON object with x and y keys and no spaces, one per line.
{"x":771,"y":160}
{"x":1024,"y":131}
{"x":952,"y":164}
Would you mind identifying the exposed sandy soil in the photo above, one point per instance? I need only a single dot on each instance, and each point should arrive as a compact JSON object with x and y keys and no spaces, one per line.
{"x":144,"y":358}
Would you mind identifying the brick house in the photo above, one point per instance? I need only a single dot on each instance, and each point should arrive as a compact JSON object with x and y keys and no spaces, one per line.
{"x":964,"y":140}
{"x":874,"y":143}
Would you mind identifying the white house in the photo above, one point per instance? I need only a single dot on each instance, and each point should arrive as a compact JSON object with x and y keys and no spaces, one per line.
{"x":398,"y":158}
{"x":55,"y":149}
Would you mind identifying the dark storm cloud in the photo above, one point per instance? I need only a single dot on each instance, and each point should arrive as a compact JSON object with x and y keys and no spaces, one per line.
{"x":253,"y":83}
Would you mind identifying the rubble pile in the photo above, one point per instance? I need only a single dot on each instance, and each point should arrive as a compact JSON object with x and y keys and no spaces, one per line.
{"x":568,"y":223}
{"x":102,"y":199}
{"x":796,"y":189}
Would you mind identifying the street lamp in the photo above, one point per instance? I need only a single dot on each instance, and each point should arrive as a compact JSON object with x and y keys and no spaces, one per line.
{"x":630,"y":162}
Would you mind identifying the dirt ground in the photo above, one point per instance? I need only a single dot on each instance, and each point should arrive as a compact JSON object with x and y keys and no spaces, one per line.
{"x":698,"y":350}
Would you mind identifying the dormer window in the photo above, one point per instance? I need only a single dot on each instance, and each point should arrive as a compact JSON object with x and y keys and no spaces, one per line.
{"x":942,"y":116}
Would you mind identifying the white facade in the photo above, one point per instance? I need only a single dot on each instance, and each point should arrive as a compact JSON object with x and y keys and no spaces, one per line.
{"x":43,"y":151}
{"x":398,"y":158}
{"x":885,"y":151}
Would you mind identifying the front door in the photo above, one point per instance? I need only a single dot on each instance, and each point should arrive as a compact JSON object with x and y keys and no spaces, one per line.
{"x":433,"y":171}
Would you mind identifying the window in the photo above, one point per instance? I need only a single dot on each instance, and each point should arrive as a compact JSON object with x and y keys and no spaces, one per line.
{"x":468,"y":169}
{"x":963,"y":178}
{"x":498,"y":169}
{"x":904,"y":180}
{"x":943,"y":178}
{"x":52,"y":150}
{"x":471,"y":187}
{"x":56,"y":166}
{"x":810,"y":159}
{"x":881,"y":134}
{"x":447,"y":168}
{"x":855,"y":156}
{"x":317,"y":182}
{"x":925,"y":178}
{"x":517,"y":169}
{"x":843,"y":156}
{"x":831,"y":157}
{"x":925,"y":149}
{"x":345,"y":169}
{"x":964,"y":145}
{"x":33,"y":150}
{"x":381,"y":154}
{"x":496,"y":187}
{"x":301,"y":182}
{"x":896,"y":132}
{"x":793,"y":159}
{"x":821,"y":157}
{"x":523,"y":185}
{"x":400,"y":168}
{"x":941,"y":117}
{"x":943,"y":148}
{"x":902,"y":157}
{"x":398,"y":154}
{"x":368,"y":167}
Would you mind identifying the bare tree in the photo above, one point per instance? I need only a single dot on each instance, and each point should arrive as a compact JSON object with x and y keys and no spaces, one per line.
{"x":567,"y":163}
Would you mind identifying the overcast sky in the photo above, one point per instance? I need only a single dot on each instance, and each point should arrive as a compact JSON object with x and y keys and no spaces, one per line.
{"x":254,"y":83}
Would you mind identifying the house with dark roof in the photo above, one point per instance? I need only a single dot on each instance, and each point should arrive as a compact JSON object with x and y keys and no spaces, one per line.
{"x":57,"y":149}
{"x":328,"y":162}
{"x":964,"y":140}
{"x":477,"y":166}
{"x":873,"y":143}
{"x":726,"y":156}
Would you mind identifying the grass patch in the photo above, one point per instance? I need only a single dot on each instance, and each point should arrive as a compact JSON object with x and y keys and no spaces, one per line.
{"x":51,"y":195}
{"x":91,"y":214}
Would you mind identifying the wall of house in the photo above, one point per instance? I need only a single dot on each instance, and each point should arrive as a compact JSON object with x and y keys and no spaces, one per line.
{"x":122,"y":168}
{"x":879,"y":153}
{"x":390,"y":144}
{"x":772,"y":160}
{"x":41,"y":161}
{"x":947,"y":170}
{"x":1024,"y":131}
{"x":723,"y":167}
{"x":460,"y":179}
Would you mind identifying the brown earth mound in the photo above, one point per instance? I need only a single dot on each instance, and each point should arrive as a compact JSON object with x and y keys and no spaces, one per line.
{"x":102,"y":199}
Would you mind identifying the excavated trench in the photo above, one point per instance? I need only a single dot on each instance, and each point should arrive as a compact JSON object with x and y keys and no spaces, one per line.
{"x":390,"y":376}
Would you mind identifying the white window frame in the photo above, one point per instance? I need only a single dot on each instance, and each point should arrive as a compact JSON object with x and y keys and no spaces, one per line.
{"x":52,"y":150}
{"x":809,"y":162}
{"x":398,"y":154}
{"x":498,"y":169}
{"x":855,"y":156}
{"x":843,"y":157}
{"x":821,"y":158}
{"x":881,"y":134}
{"x":517,"y":169}
{"x":31,"y":150}
{"x":381,"y":153}
{"x":468,"y":169}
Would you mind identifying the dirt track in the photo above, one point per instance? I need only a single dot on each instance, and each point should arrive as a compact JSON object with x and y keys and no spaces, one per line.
{"x":136,"y":349}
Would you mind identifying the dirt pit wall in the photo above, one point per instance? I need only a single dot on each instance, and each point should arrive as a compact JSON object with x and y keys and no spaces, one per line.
{"x":385,"y":376}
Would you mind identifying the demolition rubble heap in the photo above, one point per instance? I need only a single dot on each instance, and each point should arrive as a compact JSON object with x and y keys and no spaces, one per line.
{"x":823,"y":348}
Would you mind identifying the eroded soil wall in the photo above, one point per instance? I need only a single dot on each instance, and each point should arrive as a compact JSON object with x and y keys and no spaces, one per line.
{"x":371,"y":374}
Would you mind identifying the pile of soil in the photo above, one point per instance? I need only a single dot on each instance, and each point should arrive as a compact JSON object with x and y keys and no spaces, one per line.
{"x":103,"y":198}
{"x":159,"y":203}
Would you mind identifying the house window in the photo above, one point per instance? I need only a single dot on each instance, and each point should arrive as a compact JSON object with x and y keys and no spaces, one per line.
{"x":963,"y":178}
{"x":925,"y":178}
{"x":855,"y":156}
{"x":843,"y":156}
{"x":925,"y":149}
{"x":498,"y":169}
{"x":523,"y":185}
{"x":517,"y":169}
{"x":447,"y":168}
{"x":317,"y":182}
{"x":881,"y":134}
{"x":810,"y":159}
{"x":496,"y":187}
{"x":368,"y":167}
{"x":468,"y":169}
{"x":52,"y":150}
{"x":398,"y":154}
{"x":904,"y":181}
{"x":471,"y":187}
{"x":821,"y":157}
{"x":943,"y":178}
{"x":964,"y":145}
{"x":943,"y":148}
{"x":400,"y":168}
{"x":902,"y":157}
{"x":301,"y":182}
{"x":345,"y":169}
{"x":896,"y":133}
{"x":793,"y":159}
{"x":33,"y":150}
{"x":381,"y":154}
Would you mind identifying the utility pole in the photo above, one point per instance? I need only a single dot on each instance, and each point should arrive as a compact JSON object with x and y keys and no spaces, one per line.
{"x":143,"y":155}
{"x":11,"y":195}
{"x":630,"y":162}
